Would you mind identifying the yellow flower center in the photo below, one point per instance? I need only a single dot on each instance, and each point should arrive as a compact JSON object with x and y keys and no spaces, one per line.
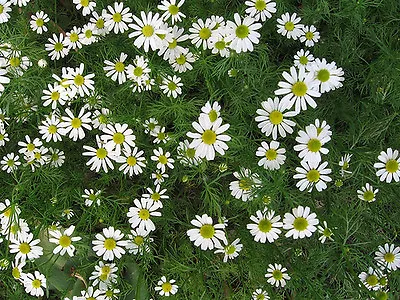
{"x":242,"y":31}
{"x":118,"y":138}
{"x":100,"y":23}
{"x":173,"y":9}
{"x":58,"y":47}
{"x":15,"y":62}
{"x":389,"y":257}
{"x":205,"y":33}
{"x":372,"y":280}
{"x":16,"y":273}
{"x":105,"y":270}
{"x":36,"y":283}
{"x":110,"y":244}
{"x":24,"y":248}
{"x":230,"y":249}
{"x":131,"y":161}
{"x":300,"y":224}
{"x":73,"y":37}
{"x":314,"y":145}
{"x":289,"y":26}
{"x":276,"y":117}
{"x":213,"y":115}
{"x":161,"y":136}
{"x":144,"y":214}
{"x":309,"y":35}
{"x":323,"y":75}
{"x":271,"y":154}
{"x":30,"y":147}
{"x":190,"y":152}
{"x":55,"y":96}
{"x":79,"y":80}
{"x":163,"y":159}
{"x":117,"y":17}
{"x":277,"y":274}
{"x":138,"y":71}
{"x":101,"y":153}
{"x":76,"y":123}
{"x":52,"y":129}
{"x":85,"y":3}
{"x":64,"y":241}
{"x":327,"y":232}
{"x":156,"y":196}
{"x":1,"y":9}
{"x":37,"y":155}
{"x":209,"y":137}
{"x":220,"y":45}
{"x":392,"y":166}
{"x":10,"y":162}
{"x":303,"y":60}
{"x":368,"y":195}
{"x":166,"y":287}
{"x":313,"y":175}
{"x":181,"y":59}
{"x":265,"y":225}
{"x":207,"y":231}
{"x":260,"y":5}
{"x":245,"y":184}
{"x":172,"y":86}
{"x":138,"y":240}
{"x":173,"y":44}
{"x":299,"y":89}
{"x":148,"y":30}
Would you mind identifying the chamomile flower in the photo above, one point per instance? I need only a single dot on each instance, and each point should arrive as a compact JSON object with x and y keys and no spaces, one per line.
{"x":289,"y":26}
{"x":371,"y":279}
{"x":260,"y":9}
{"x":101,"y":118}
{"x":74,"y":125}
{"x":309,"y":35}
{"x":207,"y":235}
{"x":10,"y":163}
{"x":55,"y":95}
{"x":299,"y":89}
{"x":388,"y":256}
{"x":209,"y":137}
{"x":187,"y":155}
{"x":303,"y":58}
{"x":50,"y":129}
{"x":301,"y":223}
{"x":150,"y":125}
{"x":159,"y":176}
{"x":86,"y":5}
{"x":91,"y":197}
{"x":99,"y":22}
{"x":266,"y":226}
{"x":117,"y":17}
{"x":201,"y":32}
{"x":166,"y":287}
{"x":73,"y":39}
{"x":344,"y":163}
{"x":109,"y":244}
{"x":160,"y":135}
{"x":326,"y":233}
{"x":88,"y":35}
{"x":182,"y":63}
{"x":56,"y":158}
{"x":312,"y":174}
{"x":16,"y":270}
{"x":173,"y":49}
{"x":245,"y":186}
{"x":163,"y":159}
{"x":272,"y":156}
{"x":157,"y":195}
{"x":17,"y":65}
{"x":389,"y":165}
{"x":30,"y":145}
{"x":171,"y":10}
{"x":3,"y":137}
{"x":34,"y":283}
{"x":5,"y":9}
{"x":25,"y":247}
{"x":367,"y":193}
{"x":220,"y":45}
{"x":64,"y":241}
{"x":79,"y":83}
{"x":132,"y":161}
{"x":327,"y":75}
{"x":117,"y":69}
{"x":140,"y":70}
{"x":311,"y":144}
{"x":259,"y":294}
{"x":140,"y":215}
{"x":117,"y":137}
{"x":273,"y":118}
{"x":101,"y":157}
{"x":147,"y":31}
{"x":56,"y":47}
{"x":276,"y":275}
{"x":68,"y":212}
{"x":242,"y":34}
{"x":38,"y":22}
{"x":104,"y":275}
{"x":138,"y":240}
{"x":171,"y":86}
{"x":230,"y":251}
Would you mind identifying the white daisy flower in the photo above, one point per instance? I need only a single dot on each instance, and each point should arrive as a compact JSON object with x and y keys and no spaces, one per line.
{"x":303,"y":58}
{"x":231,"y":251}
{"x":157,"y":195}
{"x":16,"y":270}
{"x":30,"y":145}
{"x":74,"y":125}
{"x":138,"y":241}
{"x":69,"y":213}
{"x":327,"y":75}
{"x":273,"y":120}
{"x":14,"y":227}
{"x":220,"y":45}
{"x":17,"y":65}
{"x":104,"y":275}
{"x":367,"y":193}
{"x":34,"y":283}
{"x":50,"y":129}
{"x":3,"y":137}
{"x":147,"y":31}
{"x":201,"y":32}
{"x":245,"y":186}
{"x":276,"y":275}
{"x":371,"y":279}
{"x":182,"y":63}
{"x":187,"y":155}
{"x":101,"y":118}
{"x":160,"y":135}
{"x":109,"y":244}
{"x":37,"y":158}
{"x":312,"y":174}
{"x":116,"y":70}
{"x":10,"y":162}
{"x":140,"y":70}
{"x":389,"y":165}
{"x":242,"y":34}
{"x":272,"y":156}
{"x":260,"y":9}
{"x":309,"y":35}
{"x":171,"y":86}
{"x":172,"y":49}
{"x":326,"y":233}
{"x":56,"y":47}
{"x":91,"y":197}
{"x":289,"y":26}
{"x":25,"y":247}
{"x":259,"y":294}
{"x":86,"y":5}
{"x":101,"y":157}
{"x":299,"y":89}
{"x":79,"y":83}
{"x":88,"y":35}
{"x":150,"y":125}
{"x":99,"y":22}
{"x":73,"y":39}
{"x":266,"y":226}
{"x":171,"y":10}
{"x":118,"y":137}
{"x":301,"y":223}
{"x":388,"y":256}
{"x":311,"y":144}
{"x":159,"y":176}
{"x":117,"y":17}
{"x":64,"y":241}
{"x":209,"y":137}
{"x":207,"y":235}
{"x":140,"y":215}
{"x":344,"y":163}
{"x":163,"y":159}
{"x":38,"y":21}
{"x":132,"y":161}
{"x":166,"y":287}
{"x":57,"y":157}
{"x":5,"y":9}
